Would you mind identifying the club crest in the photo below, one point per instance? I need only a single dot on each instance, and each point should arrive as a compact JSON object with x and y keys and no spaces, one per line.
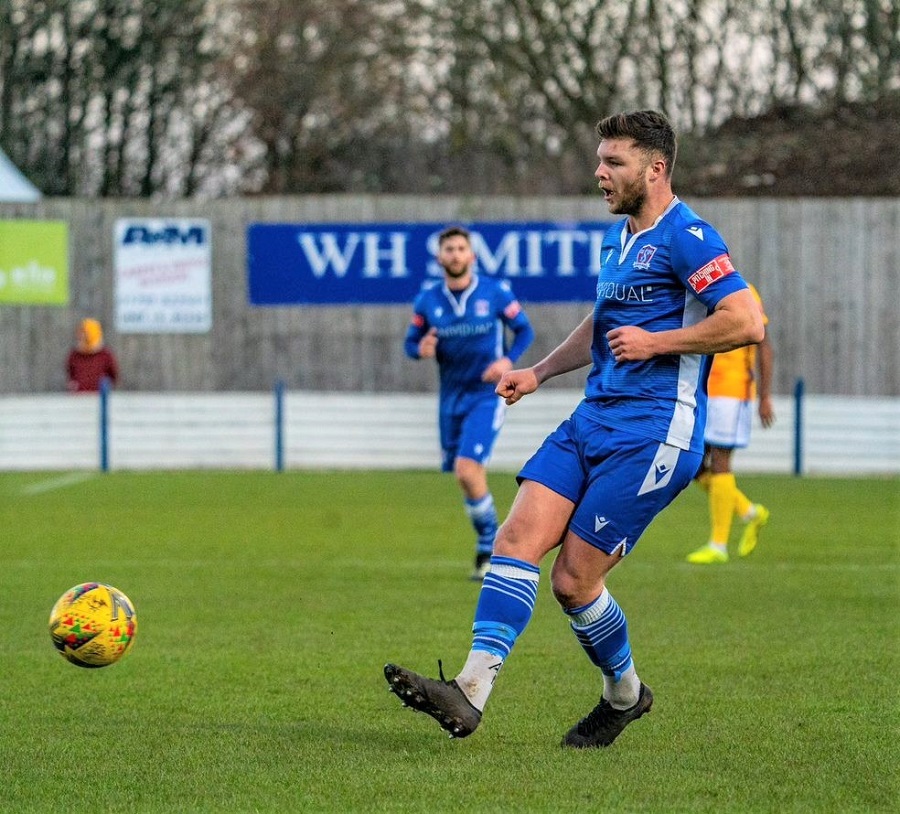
{"x":644,"y":256}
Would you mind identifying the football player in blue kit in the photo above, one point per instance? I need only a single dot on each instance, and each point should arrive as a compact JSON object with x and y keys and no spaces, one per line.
{"x":668,"y":297}
{"x":462,"y":322}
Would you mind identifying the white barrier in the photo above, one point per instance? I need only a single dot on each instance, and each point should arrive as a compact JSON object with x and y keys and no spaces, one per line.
{"x":842,"y":435}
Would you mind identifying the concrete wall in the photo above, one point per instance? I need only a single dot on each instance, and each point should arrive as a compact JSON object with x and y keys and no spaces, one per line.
{"x":828,"y":269}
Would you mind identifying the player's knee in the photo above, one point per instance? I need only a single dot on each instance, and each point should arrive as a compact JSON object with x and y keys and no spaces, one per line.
{"x":564,"y":587}
{"x":470,"y":476}
{"x":466,"y":468}
{"x":512,"y":539}
{"x":571,"y":588}
{"x":464,"y":478}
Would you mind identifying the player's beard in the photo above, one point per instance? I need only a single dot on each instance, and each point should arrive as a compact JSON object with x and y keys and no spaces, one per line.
{"x":456,"y":273}
{"x":632,"y":198}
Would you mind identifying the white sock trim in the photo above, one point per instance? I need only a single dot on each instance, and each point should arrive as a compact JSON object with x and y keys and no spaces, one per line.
{"x":593,"y":611}
{"x":500,"y":569}
{"x":481,"y":508}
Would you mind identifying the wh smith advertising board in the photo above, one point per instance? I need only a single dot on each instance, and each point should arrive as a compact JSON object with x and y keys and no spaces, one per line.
{"x":163,"y":271}
{"x":386,"y":263}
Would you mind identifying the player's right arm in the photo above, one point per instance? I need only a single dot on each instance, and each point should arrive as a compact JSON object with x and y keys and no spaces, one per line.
{"x":574,"y":352}
{"x":415,"y":333}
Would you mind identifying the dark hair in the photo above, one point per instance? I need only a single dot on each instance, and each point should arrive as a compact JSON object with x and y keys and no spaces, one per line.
{"x":650,"y":130}
{"x":454,"y":231}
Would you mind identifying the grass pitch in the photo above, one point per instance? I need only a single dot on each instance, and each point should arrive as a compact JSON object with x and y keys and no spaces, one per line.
{"x":268,"y":603}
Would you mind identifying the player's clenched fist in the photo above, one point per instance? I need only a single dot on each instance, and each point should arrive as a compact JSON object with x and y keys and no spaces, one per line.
{"x":494,"y":371}
{"x":517,"y":383}
{"x":428,"y":344}
{"x":630,"y":344}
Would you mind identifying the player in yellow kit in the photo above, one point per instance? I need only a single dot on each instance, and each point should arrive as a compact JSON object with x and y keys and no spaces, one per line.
{"x":733,"y":387}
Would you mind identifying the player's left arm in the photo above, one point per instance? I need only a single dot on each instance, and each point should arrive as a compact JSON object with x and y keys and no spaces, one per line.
{"x":765,"y":363}
{"x":705,"y":269}
{"x":735,"y":322}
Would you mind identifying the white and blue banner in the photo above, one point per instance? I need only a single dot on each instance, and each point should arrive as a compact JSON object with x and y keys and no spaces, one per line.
{"x":163,"y":274}
{"x":386,"y":263}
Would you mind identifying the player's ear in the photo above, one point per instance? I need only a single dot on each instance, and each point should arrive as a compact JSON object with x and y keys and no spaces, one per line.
{"x":657,"y":169}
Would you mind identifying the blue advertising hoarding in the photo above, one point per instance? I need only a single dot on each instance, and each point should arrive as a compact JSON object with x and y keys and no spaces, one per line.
{"x":386,"y":263}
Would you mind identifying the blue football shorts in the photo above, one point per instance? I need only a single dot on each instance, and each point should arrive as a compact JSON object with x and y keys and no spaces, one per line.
{"x":617,"y":481}
{"x":469,"y":424}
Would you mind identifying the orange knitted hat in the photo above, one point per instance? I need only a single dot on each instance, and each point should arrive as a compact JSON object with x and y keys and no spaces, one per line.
{"x":92,"y":335}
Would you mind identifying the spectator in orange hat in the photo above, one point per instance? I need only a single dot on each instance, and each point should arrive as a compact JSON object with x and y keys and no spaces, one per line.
{"x":89,"y":362}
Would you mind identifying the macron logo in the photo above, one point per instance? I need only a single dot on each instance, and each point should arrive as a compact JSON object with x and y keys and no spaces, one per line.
{"x":696,"y":231}
{"x":600,"y":522}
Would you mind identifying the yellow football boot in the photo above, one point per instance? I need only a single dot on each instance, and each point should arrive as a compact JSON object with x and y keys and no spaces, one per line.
{"x":750,"y":537}
{"x":707,"y":555}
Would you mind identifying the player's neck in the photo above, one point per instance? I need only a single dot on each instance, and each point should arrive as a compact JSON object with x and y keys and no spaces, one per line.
{"x":653,"y":207}
{"x":458,"y":283}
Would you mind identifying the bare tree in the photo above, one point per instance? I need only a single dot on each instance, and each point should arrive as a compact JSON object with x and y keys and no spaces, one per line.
{"x":93,"y":88}
{"x":328,"y":88}
{"x":213,"y":97}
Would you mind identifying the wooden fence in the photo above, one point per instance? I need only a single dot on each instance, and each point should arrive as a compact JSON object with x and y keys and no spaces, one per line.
{"x":828,"y":270}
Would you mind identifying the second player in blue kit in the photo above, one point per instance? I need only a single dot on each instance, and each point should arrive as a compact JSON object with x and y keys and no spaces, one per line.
{"x":462,"y":322}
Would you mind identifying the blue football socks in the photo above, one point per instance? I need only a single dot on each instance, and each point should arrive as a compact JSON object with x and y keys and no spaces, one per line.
{"x":483,"y":515}
{"x":505,"y":605}
{"x":602,"y":631}
{"x":504,"y":609}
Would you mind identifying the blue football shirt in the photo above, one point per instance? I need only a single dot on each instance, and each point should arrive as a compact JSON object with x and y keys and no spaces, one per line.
{"x":669,"y":276}
{"x":471,"y":330}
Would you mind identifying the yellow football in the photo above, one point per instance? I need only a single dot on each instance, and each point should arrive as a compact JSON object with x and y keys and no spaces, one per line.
{"x":93,"y":625}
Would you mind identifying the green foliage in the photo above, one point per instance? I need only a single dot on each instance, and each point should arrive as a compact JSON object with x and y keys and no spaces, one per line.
{"x":268,"y":603}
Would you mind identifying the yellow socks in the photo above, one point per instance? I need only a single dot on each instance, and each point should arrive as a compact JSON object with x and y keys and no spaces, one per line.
{"x":742,"y":505}
{"x":703,"y":480}
{"x":723,"y":494}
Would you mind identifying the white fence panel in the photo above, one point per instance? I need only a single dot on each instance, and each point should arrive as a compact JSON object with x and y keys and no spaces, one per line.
{"x":191,"y":431}
{"x":49,"y":432}
{"x":842,"y":435}
{"x":360,"y":431}
{"x":849,"y":434}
